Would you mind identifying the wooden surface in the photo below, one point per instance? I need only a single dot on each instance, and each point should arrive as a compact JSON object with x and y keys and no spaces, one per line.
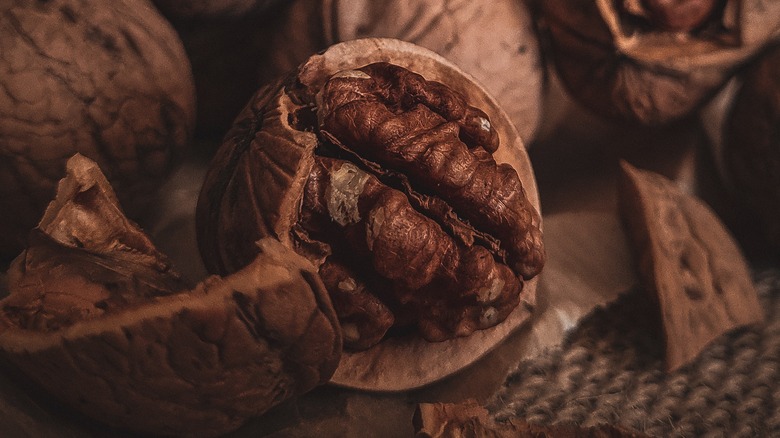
{"x":575,"y":158}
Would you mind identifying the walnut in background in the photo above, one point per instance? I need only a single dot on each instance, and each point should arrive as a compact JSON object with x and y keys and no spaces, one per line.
{"x":109,"y":80}
{"x":99,"y":318}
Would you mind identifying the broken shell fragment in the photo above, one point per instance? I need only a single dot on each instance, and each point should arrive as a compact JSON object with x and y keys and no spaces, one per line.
{"x":98,"y":318}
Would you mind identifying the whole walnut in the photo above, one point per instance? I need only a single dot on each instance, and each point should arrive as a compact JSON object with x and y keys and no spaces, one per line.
{"x":652,"y":61}
{"x":109,"y":80}
{"x":98,"y":318}
{"x":401,"y":179}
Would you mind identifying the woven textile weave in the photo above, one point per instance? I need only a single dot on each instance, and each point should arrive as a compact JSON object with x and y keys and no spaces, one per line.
{"x":610,"y":370}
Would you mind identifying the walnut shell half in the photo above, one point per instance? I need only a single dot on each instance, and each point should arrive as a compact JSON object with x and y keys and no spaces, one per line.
{"x":98,"y":318}
{"x":616,"y":58}
{"x":299,"y":166}
{"x":751,"y":144}
{"x":212,"y":9}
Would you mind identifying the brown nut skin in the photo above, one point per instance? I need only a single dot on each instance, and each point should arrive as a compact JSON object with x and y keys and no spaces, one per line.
{"x":108,"y":80}
{"x":97,"y":317}
{"x":616,"y":61}
{"x":257,"y":186}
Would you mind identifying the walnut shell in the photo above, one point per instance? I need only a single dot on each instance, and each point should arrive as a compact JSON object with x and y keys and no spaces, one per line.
{"x":690,"y":264}
{"x":108,"y":80}
{"x":99,"y":319}
{"x":257,"y":183}
{"x":615,"y":59}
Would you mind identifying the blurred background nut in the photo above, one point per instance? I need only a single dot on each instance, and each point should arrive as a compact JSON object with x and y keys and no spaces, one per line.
{"x":189,"y":9}
{"x":98,"y":318}
{"x":495,"y":41}
{"x":652,"y":62}
{"x":109,"y":80}
{"x":744,"y":129}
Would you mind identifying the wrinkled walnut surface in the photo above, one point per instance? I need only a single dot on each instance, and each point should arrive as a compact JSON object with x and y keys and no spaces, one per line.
{"x":673,"y":15}
{"x":108,"y":80}
{"x":277,"y":142}
{"x":616,"y":59}
{"x":97,"y":318}
{"x":689,"y":261}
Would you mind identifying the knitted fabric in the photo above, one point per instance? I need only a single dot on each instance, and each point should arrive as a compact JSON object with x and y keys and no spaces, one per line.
{"x":611,"y":370}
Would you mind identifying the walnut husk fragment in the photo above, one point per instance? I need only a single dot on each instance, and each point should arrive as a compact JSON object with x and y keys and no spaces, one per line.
{"x":469,"y":419}
{"x":109,"y":80}
{"x":689,"y":261}
{"x":351,"y":161}
{"x":619,"y":59}
{"x":98,"y":318}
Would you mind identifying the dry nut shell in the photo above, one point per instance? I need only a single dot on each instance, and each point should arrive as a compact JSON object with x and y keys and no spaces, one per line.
{"x":97,"y":317}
